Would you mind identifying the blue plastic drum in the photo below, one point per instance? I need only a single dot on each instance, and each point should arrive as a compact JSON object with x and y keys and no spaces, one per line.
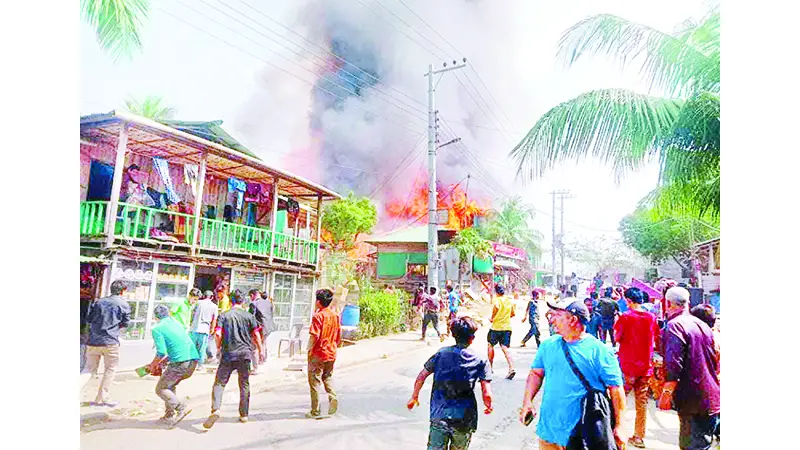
{"x":351,"y":315}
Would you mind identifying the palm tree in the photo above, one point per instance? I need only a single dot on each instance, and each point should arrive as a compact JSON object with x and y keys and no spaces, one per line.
{"x":150,"y":108}
{"x":628,"y":129}
{"x":510,"y":226}
{"x":117,"y":24}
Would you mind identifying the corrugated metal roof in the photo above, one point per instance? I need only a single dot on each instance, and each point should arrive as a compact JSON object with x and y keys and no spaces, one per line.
{"x":416,"y":235}
{"x":151,"y":138}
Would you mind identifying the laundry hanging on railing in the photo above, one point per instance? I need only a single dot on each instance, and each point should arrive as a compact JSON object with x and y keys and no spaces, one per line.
{"x":190,"y":175}
{"x":163,"y":171}
{"x":237,"y":187}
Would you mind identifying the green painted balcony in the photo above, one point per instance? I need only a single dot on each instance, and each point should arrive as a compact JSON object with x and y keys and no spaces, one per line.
{"x":140,"y":225}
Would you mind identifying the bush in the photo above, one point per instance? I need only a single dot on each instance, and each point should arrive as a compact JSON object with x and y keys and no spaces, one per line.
{"x":382,"y":313}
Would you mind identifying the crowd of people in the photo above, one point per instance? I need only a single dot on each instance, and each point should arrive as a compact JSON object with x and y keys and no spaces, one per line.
{"x":585,"y":380}
{"x":227,"y":329}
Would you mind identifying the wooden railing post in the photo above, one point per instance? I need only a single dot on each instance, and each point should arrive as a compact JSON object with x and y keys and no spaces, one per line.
{"x":116,"y":184}
{"x":274,"y":222}
{"x":319,"y":228}
{"x":198,"y":201}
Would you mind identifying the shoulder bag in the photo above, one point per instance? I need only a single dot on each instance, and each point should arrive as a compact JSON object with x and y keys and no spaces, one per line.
{"x":594,"y":430}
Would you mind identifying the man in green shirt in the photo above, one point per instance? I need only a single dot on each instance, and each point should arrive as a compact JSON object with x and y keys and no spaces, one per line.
{"x":182,"y":311}
{"x":174,"y":347}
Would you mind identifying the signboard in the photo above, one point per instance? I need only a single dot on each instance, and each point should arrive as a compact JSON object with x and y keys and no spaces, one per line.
{"x":509,"y":251}
{"x":442,"y":216}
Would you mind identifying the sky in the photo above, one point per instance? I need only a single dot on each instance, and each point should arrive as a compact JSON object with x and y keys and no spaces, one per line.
{"x":510,"y":45}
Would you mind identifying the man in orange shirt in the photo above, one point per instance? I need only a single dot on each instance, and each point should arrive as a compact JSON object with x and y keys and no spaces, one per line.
{"x":325,"y":336}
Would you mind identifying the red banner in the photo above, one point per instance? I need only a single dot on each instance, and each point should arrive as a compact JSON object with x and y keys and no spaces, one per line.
{"x":509,"y":251}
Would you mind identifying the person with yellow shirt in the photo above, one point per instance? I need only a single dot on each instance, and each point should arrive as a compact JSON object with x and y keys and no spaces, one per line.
{"x":223,"y":300}
{"x":500,"y":331}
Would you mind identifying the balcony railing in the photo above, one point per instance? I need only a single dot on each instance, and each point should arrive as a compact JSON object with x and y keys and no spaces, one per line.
{"x":143,"y":224}
{"x":231,"y":237}
{"x":295,"y":249}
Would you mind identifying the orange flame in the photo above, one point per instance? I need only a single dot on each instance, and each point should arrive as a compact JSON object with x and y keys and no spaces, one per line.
{"x":461,"y":210}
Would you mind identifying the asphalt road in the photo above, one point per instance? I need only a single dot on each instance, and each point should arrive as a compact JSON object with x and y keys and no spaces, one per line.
{"x":372,"y":414}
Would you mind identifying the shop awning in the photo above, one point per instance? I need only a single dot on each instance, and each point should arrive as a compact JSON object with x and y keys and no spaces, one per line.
{"x":507,"y":265}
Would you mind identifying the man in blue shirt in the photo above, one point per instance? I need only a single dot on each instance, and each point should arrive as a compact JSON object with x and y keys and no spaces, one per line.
{"x":454,"y":408}
{"x":175,"y":347}
{"x":563,"y":390}
{"x":454,"y":301}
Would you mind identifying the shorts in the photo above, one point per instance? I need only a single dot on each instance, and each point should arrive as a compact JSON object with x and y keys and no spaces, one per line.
{"x":499,"y":337}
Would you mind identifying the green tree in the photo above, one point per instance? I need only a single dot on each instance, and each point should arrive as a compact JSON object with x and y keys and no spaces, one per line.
{"x":117,"y":23}
{"x":469,"y":243}
{"x":603,"y":254}
{"x":659,"y":238}
{"x":628,"y":129}
{"x":510,"y":225}
{"x":346,"y":218}
{"x":151,"y":107}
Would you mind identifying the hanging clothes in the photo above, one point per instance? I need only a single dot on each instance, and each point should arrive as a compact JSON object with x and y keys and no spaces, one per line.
{"x":253,"y":192}
{"x":162,"y":168}
{"x":190,"y":175}
{"x":236,"y":188}
{"x":159,"y":198}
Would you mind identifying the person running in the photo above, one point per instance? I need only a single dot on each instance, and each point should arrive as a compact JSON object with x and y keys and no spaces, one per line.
{"x":500,"y":331}
{"x":182,"y":310}
{"x":237,"y":337}
{"x":454,"y":408}
{"x":204,"y":321}
{"x":608,"y":310}
{"x":692,"y":366}
{"x":454,"y":302}
{"x":262,"y":308}
{"x":532,"y":315}
{"x":430,"y":308}
{"x":636,"y":331}
{"x":106,"y":318}
{"x":324,"y":337}
{"x":174,"y":347}
{"x":593,"y":327}
{"x":563,"y":391}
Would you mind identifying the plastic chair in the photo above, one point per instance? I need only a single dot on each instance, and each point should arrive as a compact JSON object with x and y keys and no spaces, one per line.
{"x":292,"y":340}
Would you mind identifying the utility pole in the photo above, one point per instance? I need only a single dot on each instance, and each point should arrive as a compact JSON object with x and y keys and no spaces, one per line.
{"x":433,"y":226}
{"x":558,"y":239}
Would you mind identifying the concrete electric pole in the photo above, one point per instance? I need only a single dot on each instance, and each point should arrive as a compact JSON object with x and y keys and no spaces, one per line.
{"x":558,"y":239}
{"x":433,"y":226}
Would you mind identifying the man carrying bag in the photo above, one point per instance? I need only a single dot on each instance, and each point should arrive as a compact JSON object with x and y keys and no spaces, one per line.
{"x":583,"y":398}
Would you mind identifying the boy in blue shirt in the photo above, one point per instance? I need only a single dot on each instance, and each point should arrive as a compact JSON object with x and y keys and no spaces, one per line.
{"x":454,"y":408}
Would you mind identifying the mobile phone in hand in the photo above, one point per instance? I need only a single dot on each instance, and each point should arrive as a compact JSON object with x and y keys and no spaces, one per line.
{"x":528,"y":418}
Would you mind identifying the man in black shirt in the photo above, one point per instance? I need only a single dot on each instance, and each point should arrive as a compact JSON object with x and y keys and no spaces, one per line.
{"x":608,"y":309}
{"x":106,"y":317}
{"x":237,"y":338}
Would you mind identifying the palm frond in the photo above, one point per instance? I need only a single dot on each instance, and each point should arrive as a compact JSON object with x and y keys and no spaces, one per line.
{"x":117,"y":24}
{"x":677,"y":64}
{"x":618,"y":126}
{"x":151,"y":107}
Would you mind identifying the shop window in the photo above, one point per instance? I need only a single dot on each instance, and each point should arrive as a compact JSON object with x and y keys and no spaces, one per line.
{"x":139,"y":277}
{"x":303,"y":300}
{"x":282,"y":294}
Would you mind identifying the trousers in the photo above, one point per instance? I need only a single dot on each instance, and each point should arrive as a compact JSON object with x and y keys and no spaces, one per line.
{"x":320,"y":372}
{"x":110,"y":356}
{"x":224,"y":371}
{"x":433,"y":319}
{"x":173,"y":374}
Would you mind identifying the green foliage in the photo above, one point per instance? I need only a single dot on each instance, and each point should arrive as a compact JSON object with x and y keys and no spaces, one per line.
{"x":469,"y":242}
{"x":151,"y":108}
{"x":382,"y":313}
{"x":117,"y":24}
{"x":346,"y":218}
{"x":510,"y":225}
{"x":627,"y":129}
{"x":659,"y":238}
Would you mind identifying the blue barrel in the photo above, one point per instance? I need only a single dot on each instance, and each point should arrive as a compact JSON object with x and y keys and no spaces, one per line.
{"x":351,"y":316}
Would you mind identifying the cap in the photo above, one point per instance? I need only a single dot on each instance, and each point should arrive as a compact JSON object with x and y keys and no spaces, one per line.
{"x":572,"y":305}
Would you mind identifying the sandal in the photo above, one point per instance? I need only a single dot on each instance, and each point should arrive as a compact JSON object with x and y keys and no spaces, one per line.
{"x":511,"y":375}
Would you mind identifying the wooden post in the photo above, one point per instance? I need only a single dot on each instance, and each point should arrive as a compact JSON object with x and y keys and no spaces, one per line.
{"x":116,"y":184}
{"x":274,"y":222}
{"x":319,"y":228}
{"x":198,"y":201}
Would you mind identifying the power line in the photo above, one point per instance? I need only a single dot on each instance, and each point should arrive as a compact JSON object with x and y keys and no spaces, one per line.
{"x":279,"y":68}
{"x":444,"y":52}
{"x":328,"y":51}
{"x":324,"y":77}
{"x":410,"y":193}
{"x":400,"y":166}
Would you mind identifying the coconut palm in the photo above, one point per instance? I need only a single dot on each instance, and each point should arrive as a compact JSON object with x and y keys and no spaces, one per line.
{"x":151,"y":107}
{"x":628,"y":129}
{"x":510,"y":226}
{"x":117,"y":24}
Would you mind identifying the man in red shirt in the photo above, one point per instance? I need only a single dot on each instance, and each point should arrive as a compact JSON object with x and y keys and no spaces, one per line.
{"x":636,"y":331}
{"x":325,"y":336}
